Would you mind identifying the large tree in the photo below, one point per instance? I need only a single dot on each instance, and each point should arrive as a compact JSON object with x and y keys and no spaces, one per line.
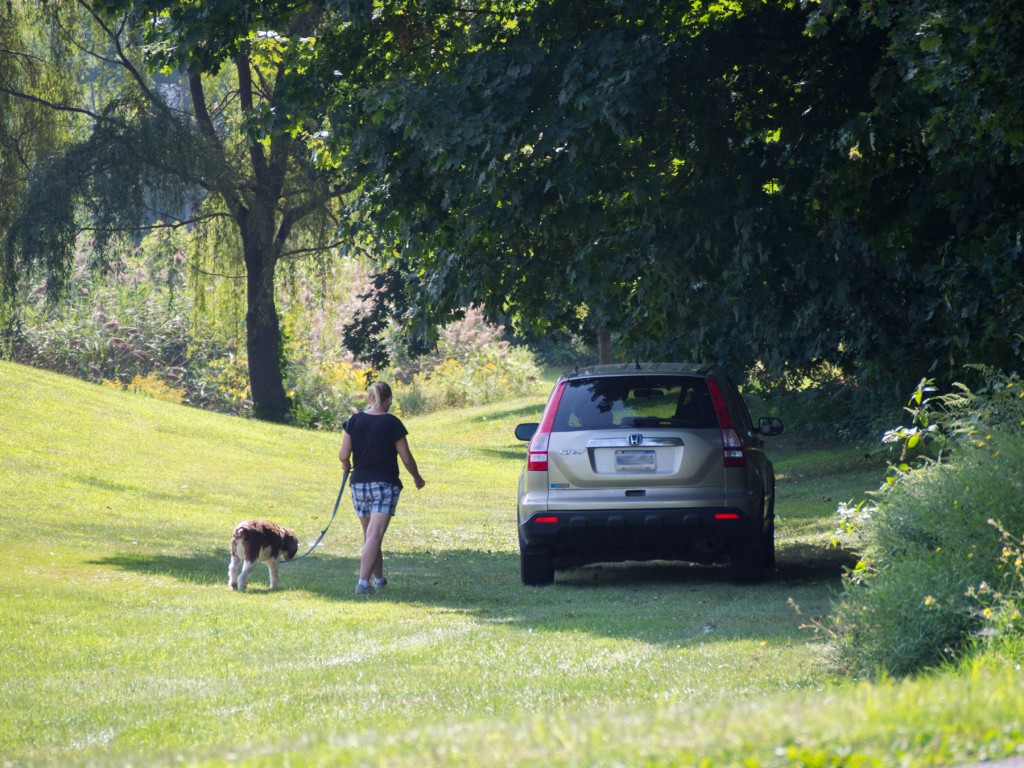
{"x":624,"y":162}
{"x":764,"y":180}
{"x":200,"y":127}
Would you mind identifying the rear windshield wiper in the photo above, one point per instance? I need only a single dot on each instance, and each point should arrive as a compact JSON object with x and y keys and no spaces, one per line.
{"x":655,"y":421}
{"x":650,"y":421}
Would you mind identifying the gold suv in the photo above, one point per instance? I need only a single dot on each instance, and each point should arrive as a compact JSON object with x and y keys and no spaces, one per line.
{"x":646,"y":462}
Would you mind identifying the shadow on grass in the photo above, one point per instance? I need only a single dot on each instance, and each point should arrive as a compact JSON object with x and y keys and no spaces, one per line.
{"x":119,"y":488}
{"x":661,"y":602}
{"x":807,"y":564}
{"x":524,"y":413}
{"x":318,"y":574}
{"x":518,"y":453}
{"x":207,"y":568}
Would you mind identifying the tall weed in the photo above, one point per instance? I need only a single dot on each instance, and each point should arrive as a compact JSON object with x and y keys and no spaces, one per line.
{"x":124,"y":327}
{"x":928,"y":544}
{"x":472,"y":365}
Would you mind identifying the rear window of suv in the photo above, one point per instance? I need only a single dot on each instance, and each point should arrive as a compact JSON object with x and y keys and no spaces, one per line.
{"x":635,"y":401}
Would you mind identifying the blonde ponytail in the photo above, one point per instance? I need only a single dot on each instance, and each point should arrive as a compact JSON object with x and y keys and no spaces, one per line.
{"x":378,"y":392}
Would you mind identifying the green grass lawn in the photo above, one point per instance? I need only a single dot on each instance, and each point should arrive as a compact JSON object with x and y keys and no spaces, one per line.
{"x":121,"y":643}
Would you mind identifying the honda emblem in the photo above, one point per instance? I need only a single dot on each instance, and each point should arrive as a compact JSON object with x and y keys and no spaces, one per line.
{"x":636,"y":439}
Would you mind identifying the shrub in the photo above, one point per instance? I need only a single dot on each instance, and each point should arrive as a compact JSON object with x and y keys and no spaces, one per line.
{"x":105,"y":333}
{"x":324,"y":396}
{"x":1001,"y":606}
{"x":117,"y":328}
{"x":472,"y":365}
{"x":220,"y":383}
{"x":150,"y":385}
{"x":929,"y":545}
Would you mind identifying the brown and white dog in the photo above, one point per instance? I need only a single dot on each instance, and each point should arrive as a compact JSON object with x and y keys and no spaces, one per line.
{"x":259,"y":541}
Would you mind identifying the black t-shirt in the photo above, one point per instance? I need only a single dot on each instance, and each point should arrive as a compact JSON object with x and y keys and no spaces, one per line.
{"x":374,"y":456}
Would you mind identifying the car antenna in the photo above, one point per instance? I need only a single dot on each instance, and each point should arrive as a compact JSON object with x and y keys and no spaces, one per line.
{"x":636,"y":357}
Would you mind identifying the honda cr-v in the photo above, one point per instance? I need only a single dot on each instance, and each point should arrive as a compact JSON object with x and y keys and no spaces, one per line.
{"x":646,"y":462}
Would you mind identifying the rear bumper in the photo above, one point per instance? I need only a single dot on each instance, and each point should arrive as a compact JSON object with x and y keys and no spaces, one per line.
{"x":699,"y":535}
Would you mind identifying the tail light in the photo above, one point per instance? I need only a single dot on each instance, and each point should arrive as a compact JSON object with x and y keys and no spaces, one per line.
{"x":537,"y":458}
{"x":733,"y":453}
{"x":537,"y":461}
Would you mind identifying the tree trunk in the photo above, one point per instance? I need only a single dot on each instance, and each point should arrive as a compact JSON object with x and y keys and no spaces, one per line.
{"x":263,"y":334}
{"x":604,"y":346}
{"x":257,"y":221}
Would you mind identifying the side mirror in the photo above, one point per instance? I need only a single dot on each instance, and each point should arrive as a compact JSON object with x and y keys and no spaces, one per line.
{"x":525,"y":432}
{"x":770,"y":426}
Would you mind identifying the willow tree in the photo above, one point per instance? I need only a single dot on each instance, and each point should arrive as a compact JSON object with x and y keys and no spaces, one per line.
{"x":29,"y":129}
{"x":202,"y":124}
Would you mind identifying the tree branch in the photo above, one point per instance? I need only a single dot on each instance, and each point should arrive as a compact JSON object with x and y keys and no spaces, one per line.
{"x":202,"y":271}
{"x":293,"y":216}
{"x":122,"y":57}
{"x":209,"y":132}
{"x":22,"y":55}
{"x":53,"y":105}
{"x":256,"y":154}
{"x":199,"y":108}
{"x":174,"y":224}
{"x":318,"y":249}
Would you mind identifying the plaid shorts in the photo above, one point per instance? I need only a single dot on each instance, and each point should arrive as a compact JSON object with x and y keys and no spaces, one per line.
{"x":368,"y":498}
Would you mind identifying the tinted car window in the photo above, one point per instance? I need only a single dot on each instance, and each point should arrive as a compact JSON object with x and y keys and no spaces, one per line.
{"x":738,"y":408}
{"x":635,"y":401}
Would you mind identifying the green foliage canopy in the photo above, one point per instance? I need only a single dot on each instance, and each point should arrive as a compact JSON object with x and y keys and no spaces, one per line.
{"x":938,"y":185}
{"x":751,"y":180}
{"x":743,"y":181}
{"x":628,"y":162}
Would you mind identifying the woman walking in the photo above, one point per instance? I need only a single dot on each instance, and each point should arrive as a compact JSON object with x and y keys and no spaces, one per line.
{"x":374,"y":440}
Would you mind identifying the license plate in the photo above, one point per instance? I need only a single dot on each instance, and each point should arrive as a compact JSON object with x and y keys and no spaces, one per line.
{"x":635,"y":461}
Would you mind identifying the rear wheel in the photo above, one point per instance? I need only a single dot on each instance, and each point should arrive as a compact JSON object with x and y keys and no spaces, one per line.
{"x":768,"y":547}
{"x":748,"y":564}
{"x":536,"y":570}
{"x":769,"y":536}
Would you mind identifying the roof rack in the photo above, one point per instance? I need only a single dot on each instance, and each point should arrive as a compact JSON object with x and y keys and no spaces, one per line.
{"x":639,"y":367}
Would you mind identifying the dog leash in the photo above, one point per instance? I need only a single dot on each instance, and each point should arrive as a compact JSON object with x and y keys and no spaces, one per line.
{"x":316,"y":543}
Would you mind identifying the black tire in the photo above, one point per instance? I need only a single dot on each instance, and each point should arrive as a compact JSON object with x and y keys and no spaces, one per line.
{"x":769,"y":535}
{"x":768,"y":547}
{"x":748,"y":564}
{"x":536,"y":570}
